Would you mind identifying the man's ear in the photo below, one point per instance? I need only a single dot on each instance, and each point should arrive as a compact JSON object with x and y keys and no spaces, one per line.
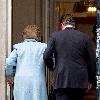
{"x":60,"y":26}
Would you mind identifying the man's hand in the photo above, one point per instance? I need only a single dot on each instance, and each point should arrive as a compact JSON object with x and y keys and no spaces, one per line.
{"x":89,"y":86}
{"x":10,"y":81}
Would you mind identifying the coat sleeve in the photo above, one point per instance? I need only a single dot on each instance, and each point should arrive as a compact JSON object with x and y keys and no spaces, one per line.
{"x":48,"y":54}
{"x":11,"y":61}
{"x":91,"y":63}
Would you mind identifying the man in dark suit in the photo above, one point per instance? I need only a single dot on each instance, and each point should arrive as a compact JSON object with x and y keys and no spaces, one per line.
{"x":74,"y":70}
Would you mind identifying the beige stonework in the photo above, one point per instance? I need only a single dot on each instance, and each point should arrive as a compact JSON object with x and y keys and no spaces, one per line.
{"x":2,"y":47}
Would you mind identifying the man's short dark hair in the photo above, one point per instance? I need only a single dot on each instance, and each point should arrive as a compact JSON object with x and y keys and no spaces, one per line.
{"x":67,"y":19}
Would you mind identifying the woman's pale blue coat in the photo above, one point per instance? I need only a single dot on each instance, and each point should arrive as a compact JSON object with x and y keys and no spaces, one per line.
{"x":29,"y":80}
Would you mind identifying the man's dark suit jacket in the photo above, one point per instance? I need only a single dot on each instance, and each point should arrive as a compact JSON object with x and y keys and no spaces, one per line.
{"x":74,"y":59}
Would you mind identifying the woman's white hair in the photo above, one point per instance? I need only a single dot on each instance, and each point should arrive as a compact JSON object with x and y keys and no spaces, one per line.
{"x":31,"y":31}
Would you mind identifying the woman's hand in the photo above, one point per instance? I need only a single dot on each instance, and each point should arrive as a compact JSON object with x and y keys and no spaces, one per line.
{"x":10,"y":80}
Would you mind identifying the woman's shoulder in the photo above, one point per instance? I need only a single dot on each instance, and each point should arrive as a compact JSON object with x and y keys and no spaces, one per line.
{"x":42,"y":44}
{"x":17,"y":45}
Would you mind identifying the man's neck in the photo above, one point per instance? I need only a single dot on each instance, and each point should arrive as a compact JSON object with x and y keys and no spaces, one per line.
{"x":67,"y":26}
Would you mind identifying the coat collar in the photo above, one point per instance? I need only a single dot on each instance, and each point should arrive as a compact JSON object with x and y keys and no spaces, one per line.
{"x":30,"y":40}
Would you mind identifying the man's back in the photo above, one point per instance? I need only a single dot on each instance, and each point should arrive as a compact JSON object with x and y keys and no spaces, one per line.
{"x":72,"y":50}
{"x":70,"y":45}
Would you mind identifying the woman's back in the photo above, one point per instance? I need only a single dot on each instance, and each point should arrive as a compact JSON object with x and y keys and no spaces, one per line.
{"x":30,"y":58}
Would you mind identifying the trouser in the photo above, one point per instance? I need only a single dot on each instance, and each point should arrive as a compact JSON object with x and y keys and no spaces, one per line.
{"x":69,"y":94}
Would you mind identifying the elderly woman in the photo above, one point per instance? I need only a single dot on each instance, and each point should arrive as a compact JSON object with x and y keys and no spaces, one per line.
{"x":29,"y":80}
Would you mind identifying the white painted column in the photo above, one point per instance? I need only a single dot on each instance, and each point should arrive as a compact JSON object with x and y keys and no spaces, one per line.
{"x":3,"y":34}
{"x":8,"y":40}
{"x":9,"y":26}
{"x":5,"y":43}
